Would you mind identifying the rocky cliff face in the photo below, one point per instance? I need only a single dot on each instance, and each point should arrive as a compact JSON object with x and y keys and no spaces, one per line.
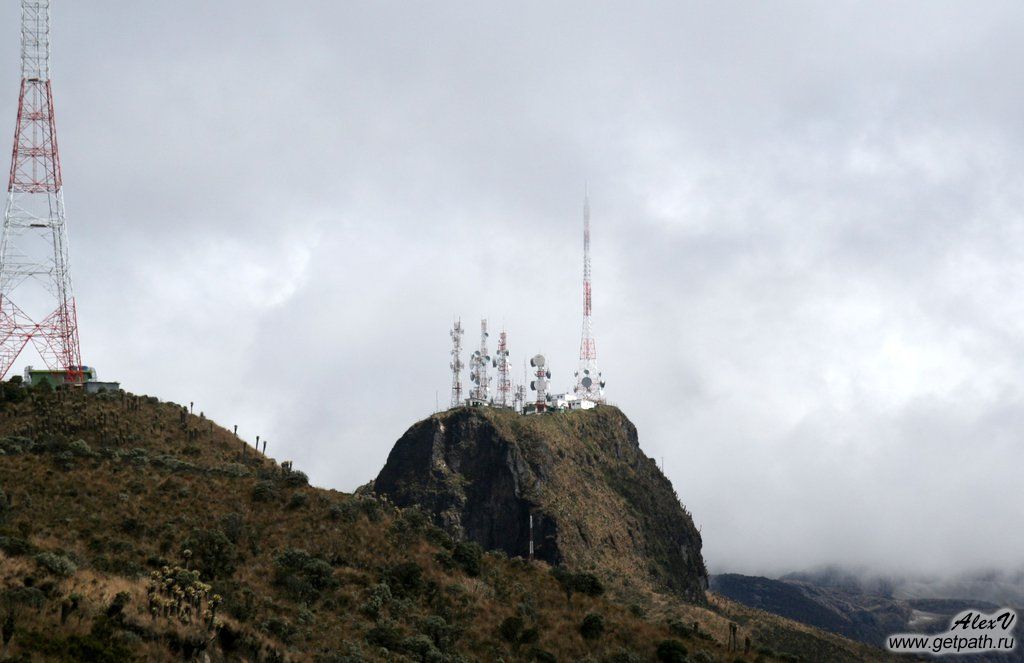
{"x":597,"y":501}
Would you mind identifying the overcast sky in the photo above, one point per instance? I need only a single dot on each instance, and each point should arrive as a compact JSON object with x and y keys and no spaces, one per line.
{"x":808,"y":239}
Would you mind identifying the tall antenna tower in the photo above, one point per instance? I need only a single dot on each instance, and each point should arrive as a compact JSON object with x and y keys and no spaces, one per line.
{"x":589,"y":383}
{"x":504,"y":374}
{"x":456,"y":365}
{"x":34,"y":246}
{"x":542,"y":381}
{"x":478,"y":368}
{"x":520,"y":398}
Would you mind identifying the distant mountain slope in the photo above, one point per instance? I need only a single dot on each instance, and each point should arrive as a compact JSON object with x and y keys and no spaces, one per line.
{"x":131,"y":530}
{"x":858,"y":616}
{"x":597,"y":501}
{"x":853,"y":606}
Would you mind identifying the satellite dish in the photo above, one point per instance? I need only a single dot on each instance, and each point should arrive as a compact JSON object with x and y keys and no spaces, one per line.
{"x":538,"y":361}
{"x":533,"y":385}
{"x":548,"y":375}
{"x":602,"y":385}
{"x":586,"y":382}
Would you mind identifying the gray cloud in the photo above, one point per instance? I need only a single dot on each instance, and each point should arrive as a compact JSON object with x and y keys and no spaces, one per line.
{"x":807,"y":239}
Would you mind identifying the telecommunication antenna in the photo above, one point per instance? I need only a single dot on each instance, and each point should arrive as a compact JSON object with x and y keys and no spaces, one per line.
{"x":456,"y":363}
{"x":34,"y":248}
{"x":481,"y":390}
{"x":520,"y":397}
{"x":504,"y":376}
{"x":589,"y":382}
{"x":542,"y":377}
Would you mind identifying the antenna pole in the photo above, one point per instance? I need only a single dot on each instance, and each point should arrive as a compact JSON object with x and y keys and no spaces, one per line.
{"x":478,"y":368}
{"x":504,"y":377}
{"x":589,"y":383}
{"x":456,"y":364}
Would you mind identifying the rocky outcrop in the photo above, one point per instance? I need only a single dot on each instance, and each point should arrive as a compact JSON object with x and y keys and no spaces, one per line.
{"x":597,"y":501}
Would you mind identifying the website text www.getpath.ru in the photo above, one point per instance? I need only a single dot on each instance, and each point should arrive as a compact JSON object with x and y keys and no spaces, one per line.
{"x":970,"y":632}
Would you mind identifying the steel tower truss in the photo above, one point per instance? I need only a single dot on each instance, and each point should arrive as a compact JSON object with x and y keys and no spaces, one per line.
{"x":456,"y":364}
{"x":589,"y":383}
{"x":504,"y":372}
{"x":478,"y":363}
{"x":34,"y":246}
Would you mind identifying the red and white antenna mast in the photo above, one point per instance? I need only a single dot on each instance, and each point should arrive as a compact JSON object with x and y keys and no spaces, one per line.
{"x":34,"y":246}
{"x":589,"y":383}
{"x":456,"y":365}
{"x":504,"y":372}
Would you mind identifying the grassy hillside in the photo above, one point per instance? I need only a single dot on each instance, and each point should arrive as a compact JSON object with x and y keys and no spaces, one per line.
{"x":132,"y":531}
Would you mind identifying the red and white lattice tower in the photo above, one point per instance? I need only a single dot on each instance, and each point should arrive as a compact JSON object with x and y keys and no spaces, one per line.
{"x":34,"y":247}
{"x":456,"y":365}
{"x":504,"y":372}
{"x":589,"y":383}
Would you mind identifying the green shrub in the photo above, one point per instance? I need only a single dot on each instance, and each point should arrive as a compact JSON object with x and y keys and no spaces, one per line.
{"x":592,"y":627}
{"x":13,"y":545}
{"x":349,"y":510}
{"x":233,"y":526}
{"x":302,"y":575}
{"x":529,"y":636}
{"x":422,"y":647}
{"x":680,"y":629}
{"x":542,"y":656}
{"x":584,"y":583}
{"x":172,"y":463}
{"x":213,"y":553}
{"x":12,"y":445}
{"x":405,"y":579}
{"x":14,"y":392}
{"x":588,"y":584}
{"x":137,"y":457}
{"x":467,"y":556}
{"x":264,"y":491}
{"x":702,"y":657}
{"x":624,"y":656}
{"x":295,"y":479}
{"x":81,"y":449}
{"x":443,"y":634}
{"x":298,"y":500}
{"x":511,"y":628}
{"x":671,"y":651}
{"x":385,"y":635}
{"x":58,"y":565}
{"x":280,"y":628}
{"x":379,"y":596}
{"x":29,"y":597}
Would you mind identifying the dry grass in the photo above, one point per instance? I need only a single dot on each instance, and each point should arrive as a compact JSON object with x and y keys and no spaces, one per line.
{"x":118,"y":518}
